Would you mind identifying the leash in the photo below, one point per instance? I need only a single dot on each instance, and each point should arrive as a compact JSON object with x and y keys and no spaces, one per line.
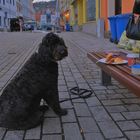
{"x":80,"y":92}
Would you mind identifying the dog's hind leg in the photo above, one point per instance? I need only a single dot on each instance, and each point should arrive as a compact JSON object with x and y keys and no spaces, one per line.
{"x":32,"y":121}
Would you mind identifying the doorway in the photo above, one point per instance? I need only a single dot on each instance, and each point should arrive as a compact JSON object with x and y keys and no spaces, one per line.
{"x":118,"y":7}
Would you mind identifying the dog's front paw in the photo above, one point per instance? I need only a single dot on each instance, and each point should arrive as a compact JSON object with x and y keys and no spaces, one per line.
{"x":61,"y":112}
{"x":43,"y":108}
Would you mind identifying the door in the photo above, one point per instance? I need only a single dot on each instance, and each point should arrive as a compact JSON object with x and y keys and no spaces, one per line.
{"x":118,"y":7}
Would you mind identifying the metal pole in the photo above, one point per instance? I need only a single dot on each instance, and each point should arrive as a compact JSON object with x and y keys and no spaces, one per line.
{"x":57,"y":14}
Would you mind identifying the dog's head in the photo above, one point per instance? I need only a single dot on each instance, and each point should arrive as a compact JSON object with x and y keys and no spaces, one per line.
{"x":52,"y":47}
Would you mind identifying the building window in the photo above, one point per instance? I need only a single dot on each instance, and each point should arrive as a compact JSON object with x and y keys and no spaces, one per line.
{"x":0,"y":21}
{"x":91,"y":10}
{"x":4,"y":21}
{"x":3,"y":2}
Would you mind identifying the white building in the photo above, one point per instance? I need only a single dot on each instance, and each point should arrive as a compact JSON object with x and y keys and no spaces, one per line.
{"x":15,"y":8}
{"x":27,"y":10}
{"x":7,"y":11}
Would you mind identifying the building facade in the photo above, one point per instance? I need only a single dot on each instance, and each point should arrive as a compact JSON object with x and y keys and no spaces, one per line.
{"x":28,"y":12}
{"x":7,"y":11}
{"x":87,"y":15}
{"x":15,"y":8}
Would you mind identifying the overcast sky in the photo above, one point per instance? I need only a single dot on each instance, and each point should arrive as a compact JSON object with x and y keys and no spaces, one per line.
{"x":40,"y":0}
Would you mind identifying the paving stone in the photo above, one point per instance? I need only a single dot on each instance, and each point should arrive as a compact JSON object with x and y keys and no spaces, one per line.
{"x":131,"y":115}
{"x":70,"y":117}
{"x":112,"y":87}
{"x":111,"y":91}
{"x":98,"y":92}
{"x":113,"y":109}
{"x":130,"y":101}
{"x":95,"y":136}
{"x":2,"y":132}
{"x":83,"y":86}
{"x":88,"y":124}
{"x":119,"y":139}
{"x":102,"y":97}
{"x":137,"y":122}
{"x":115,"y":96}
{"x":14,"y":135}
{"x":79,"y":100}
{"x":66,"y":104}
{"x":72,"y":131}
{"x":129,"y":95}
{"x":61,"y":82}
{"x":51,"y":126}
{"x":51,"y":137}
{"x":93,"y":101}
{"x":99,"y":87}
{"x":117,"y":116}
{"x":50,"y":113}
{"x":112,"y":102}
{"x":71,"y":84}
{"x":2,"y":84}
{"x":80,"y":80}
{"x":122,"y":91}
{"x":62,"y":88}
{"x":69,"y":79}
{"x":64,"y":95}
{"x":133,"y":135}
{"x":133,"y":107}
{"x":81,"y":109}
{"x":34,"y":133}
{"x":110,"y":129}
{"x":127,"y":125}
{"x":100,"y":114}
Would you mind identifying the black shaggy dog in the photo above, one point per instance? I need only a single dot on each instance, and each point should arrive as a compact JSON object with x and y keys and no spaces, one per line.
{"x":38,"y":79}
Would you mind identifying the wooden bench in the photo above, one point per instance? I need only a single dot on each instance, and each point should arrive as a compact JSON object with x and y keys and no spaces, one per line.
{"x":121,"y":73}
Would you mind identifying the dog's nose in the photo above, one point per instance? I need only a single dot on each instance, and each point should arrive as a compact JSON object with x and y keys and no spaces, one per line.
{"x":64,"y":52}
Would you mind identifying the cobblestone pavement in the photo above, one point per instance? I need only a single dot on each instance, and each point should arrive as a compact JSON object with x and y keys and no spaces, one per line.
{"x":111,"y":113}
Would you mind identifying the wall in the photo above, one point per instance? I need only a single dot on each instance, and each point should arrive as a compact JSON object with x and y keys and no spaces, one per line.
{"x":127,"y":6}
{"x":90,"y":28}
{"x":104,"y":12}
{"x":80,"y":12}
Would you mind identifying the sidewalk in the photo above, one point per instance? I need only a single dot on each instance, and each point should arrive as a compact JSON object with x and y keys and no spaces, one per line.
{"x":112,"y":113}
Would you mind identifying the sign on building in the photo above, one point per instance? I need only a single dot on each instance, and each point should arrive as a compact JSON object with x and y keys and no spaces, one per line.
{"x":43,"y":19}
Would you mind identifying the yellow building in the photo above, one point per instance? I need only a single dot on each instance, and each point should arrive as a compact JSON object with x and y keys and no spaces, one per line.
{"x":81,"y":14}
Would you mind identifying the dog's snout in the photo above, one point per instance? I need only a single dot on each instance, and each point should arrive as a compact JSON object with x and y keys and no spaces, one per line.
{"x":64,"y":52}
{"x":60,"y":52}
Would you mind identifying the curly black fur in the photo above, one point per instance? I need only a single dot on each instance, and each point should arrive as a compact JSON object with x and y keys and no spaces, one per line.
{"x":38,"y":79}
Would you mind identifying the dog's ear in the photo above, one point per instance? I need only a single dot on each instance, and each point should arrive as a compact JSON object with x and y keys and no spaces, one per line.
{"x":41,"y":49}
{"x":50,"y":39}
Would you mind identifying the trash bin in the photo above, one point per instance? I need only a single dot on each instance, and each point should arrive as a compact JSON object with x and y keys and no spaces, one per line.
{"x":112,"y":22}
{"x":118,"y":24}
{"x":121,"y":23}
{"x":67,"y":27}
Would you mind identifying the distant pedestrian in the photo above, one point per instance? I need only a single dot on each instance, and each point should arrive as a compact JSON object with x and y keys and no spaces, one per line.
{"x":21,"y":23}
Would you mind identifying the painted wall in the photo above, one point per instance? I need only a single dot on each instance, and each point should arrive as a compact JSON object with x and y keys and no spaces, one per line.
{"x":127,"y":6}
{"x":107,"y":8}
{"x":104,"y":12}
{"x":111,"y":7}
{"x":80,"y":12}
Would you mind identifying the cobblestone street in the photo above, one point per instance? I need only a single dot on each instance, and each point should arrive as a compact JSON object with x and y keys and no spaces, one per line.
{"x":111,"y":113}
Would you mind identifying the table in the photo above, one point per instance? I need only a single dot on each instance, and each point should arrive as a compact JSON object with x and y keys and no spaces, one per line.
{"x":121,"y":73}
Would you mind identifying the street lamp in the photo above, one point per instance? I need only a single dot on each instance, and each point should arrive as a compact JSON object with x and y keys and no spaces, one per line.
{"x":57,"y":13}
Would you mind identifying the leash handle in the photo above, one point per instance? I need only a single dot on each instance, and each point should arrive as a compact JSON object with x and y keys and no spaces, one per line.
{"x":80,"y":92}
